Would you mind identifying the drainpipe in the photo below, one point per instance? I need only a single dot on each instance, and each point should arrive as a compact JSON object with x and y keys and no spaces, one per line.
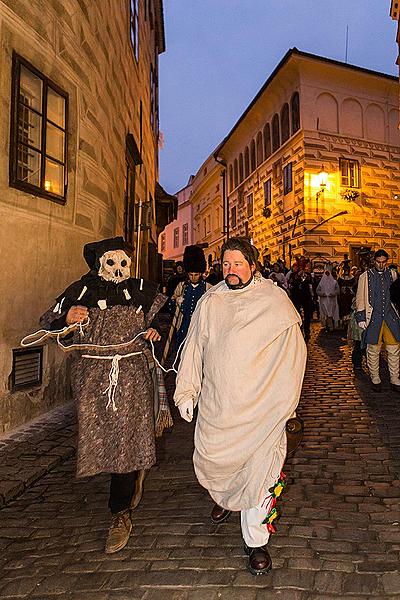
{"x":225,"y":201}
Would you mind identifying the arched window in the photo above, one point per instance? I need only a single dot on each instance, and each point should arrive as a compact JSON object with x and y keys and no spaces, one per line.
{"x":230,"y":178}
{"x":235,"y":173}
{"x":246,"y":162}
{"x":267,"y":141}
{"x":275,"y":133}
{"x":259,"y":146}
{"x":295,"y":106}
{"x":285,"y":128}
{"x":241,"y":174}
{"x":252,"y":156}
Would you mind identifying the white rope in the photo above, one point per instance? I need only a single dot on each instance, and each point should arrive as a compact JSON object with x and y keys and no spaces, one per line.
{"x":113,"y":375}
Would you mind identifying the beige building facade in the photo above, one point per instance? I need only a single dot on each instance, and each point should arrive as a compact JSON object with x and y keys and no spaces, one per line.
{"x":79,"y":154}
{"x":313,"y":162}
{"x":178,"y":233}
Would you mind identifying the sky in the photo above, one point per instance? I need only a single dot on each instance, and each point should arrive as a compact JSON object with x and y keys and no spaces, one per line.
{"x":220,"y":52}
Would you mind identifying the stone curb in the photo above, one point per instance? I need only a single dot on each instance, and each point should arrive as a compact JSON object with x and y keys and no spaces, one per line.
{"x":34,"y":449}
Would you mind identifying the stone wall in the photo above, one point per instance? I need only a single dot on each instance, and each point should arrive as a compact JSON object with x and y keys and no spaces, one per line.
{"x":84,"y":47}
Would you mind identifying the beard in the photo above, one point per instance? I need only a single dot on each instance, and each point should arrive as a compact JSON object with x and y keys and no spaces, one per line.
{"x":237,"y":282}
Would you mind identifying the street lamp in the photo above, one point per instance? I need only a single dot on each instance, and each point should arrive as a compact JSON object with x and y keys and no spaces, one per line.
{"x":323,"y":180}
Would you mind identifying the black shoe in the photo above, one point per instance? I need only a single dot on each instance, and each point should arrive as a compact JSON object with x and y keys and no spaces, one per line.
{"x":395,"y":387}
{"x":377,"y":387}
{"x":219,"y":514}
{"x":260,"y":561}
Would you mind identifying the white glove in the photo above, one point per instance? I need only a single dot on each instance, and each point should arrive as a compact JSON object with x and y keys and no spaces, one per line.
{"x":186,"y":410}
{"x":362,"y":325}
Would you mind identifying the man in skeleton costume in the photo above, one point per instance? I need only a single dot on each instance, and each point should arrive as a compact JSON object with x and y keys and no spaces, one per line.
{"x":189,"y":292}
{"x":243,"y":365}
{"x":377,"y":316}
{"x":116,"y":423}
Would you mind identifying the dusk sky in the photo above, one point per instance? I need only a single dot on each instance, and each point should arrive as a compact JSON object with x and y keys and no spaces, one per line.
{"x":220,"y":52}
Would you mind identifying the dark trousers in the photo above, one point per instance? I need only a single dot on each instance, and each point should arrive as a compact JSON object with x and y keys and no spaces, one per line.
{"x":306,"y":305}
{"x":122,"y":487}
{"x":357,"y":354}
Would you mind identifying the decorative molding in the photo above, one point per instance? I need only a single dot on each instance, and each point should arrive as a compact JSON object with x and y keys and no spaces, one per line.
{"x":356,"y":142}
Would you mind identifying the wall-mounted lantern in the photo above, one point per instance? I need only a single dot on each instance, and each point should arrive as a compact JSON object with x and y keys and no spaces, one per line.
{"x":323,"y":180}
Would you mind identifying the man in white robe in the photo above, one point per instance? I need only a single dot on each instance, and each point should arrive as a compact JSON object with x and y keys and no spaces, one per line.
{"x":243,"y":365}
{"x":328,"y":291}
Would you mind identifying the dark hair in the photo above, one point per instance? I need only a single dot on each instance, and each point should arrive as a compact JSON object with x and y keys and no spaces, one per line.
{"x":242,"y":244}
{"x":381,"y":252}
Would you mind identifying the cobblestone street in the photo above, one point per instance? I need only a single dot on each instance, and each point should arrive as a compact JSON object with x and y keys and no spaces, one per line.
{"x":338,"y":536}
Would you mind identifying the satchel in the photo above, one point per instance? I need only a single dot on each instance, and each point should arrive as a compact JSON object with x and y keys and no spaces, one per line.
{"x":294,"y":434}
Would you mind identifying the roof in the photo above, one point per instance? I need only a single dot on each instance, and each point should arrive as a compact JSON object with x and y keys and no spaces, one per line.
{"x":160,"y":31}
{"x":285,"y":59}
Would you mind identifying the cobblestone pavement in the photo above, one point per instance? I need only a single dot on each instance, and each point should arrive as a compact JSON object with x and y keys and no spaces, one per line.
{"x":338,"y":536}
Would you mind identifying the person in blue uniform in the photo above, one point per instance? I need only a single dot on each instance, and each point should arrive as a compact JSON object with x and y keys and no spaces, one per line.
{"x":188,"y":292}
{"x":377,"y":316}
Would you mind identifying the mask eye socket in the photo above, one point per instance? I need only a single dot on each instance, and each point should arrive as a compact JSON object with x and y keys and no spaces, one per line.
{"x":110,"y":262}
{"x":123,"y":263}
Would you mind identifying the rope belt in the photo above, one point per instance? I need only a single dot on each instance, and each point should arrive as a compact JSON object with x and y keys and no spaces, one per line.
{"x":113,"y":374}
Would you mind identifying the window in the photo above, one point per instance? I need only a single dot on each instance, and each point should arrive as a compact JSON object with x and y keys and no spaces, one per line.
{"x":241,"y":172}
{"x":185,"y":234}
{"x":287,"y":178}
{"x":162,"y":244}
{"x":153,"y":99}
{"x":230,"y":178}
{"x":246,"y":162}
{"x":235,"y":172}
{"x":233,"y":217}
{"x":38,"y":141}
{"x":250,"y":205}
{"x":285,"y":128}
{"x":275,"y":133}
{"x":295,"y":106}
{"x":134,"y":27}
{"x":176,"y":237}
{"x":349,"y":172}
{"x":267,"y":192}
{"x":260,"y":152}
{"x":252,"y":156}
{"x":267,"y":141}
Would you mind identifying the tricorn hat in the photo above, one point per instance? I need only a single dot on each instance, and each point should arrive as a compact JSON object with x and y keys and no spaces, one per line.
{"x":93,"y":251}
{"x":194,"y":260}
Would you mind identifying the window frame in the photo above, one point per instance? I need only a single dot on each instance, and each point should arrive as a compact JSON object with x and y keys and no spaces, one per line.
{"x":342,"y":166}
{"x":233,"y":217}
{"x":185,"y":234}
{"x":176,"y":237}
{"x":134,"y":27}
{"x":17,"y":62}
{"x":267,"y":187}
{"x":287,"y":173}
{"x":250,"y":205}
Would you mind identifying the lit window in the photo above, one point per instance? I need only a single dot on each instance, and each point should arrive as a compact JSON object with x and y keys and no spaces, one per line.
{"x":349,"y":172}
{"x":267,"y":192}
{"x":38,"y":143}
{"x":176,"y":237}
{"x":185,"y":234}
{"x":250,"y":205}
{"x":287,"y":178}
{"x":134,"y":27}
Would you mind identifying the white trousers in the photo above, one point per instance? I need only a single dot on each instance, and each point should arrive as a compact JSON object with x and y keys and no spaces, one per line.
{"x":254,"y":533}
{"x":393,"y":352}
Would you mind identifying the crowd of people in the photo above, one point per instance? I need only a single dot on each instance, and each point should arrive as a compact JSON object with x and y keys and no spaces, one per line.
{"x":243,"y":328}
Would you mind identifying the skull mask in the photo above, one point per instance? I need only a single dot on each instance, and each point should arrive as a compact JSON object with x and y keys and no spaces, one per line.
{"x":115,"y":266}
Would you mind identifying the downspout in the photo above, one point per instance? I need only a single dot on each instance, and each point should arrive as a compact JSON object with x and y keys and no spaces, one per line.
{"x":225,"y":201}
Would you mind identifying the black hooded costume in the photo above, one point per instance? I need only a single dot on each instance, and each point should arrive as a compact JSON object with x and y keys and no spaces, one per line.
{"x":116,"y":430}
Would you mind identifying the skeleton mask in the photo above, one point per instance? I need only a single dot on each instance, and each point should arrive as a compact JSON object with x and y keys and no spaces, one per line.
{"x":115,"y":266}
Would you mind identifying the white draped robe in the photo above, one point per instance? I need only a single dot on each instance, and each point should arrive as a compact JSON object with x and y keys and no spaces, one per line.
{"x":243,"y":363}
